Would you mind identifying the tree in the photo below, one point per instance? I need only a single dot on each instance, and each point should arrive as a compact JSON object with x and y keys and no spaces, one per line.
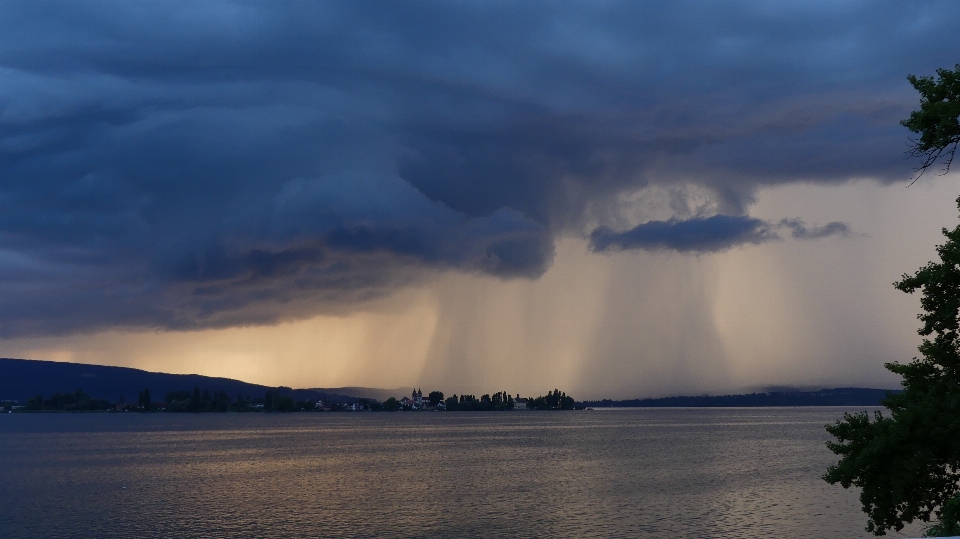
{"x":143,"y":399}
{"x":938,"y":120}
{"x":436,"y":397}
{"x":221,"y":402}
{"x":35,"y":403}
{"x":452,"y":403}
{"x":268,"y":401}
{"x":391,"y":405}
{"x":283,"y":403}
{"x":907,"y":464}
{"x":195,"y":402}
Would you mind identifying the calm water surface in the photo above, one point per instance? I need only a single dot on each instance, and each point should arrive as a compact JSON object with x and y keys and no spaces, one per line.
{"x":606,"y":473}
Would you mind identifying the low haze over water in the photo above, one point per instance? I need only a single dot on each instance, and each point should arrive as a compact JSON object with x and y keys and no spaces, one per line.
{"x":607,"y":473}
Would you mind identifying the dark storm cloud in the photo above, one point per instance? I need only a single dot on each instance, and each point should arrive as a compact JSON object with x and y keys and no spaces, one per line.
{"x":716,"y":233}
{"x":189,"y":165}
{"x":707,"y":234}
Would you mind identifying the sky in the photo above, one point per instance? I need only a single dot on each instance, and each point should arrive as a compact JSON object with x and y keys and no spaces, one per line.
{"x":620,"y":199}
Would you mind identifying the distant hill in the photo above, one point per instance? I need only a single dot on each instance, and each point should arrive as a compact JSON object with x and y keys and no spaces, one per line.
{"x":842,"y":396}
{"x":368,"y":392}
{"x":22,"y":379}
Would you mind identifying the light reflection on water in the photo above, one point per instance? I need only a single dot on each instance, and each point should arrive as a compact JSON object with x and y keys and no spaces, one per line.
{"x":606,"y":473}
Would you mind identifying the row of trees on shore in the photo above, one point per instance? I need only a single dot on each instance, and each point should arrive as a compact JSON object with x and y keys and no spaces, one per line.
{"x":76,"y":401}
{"x":197,"y":401}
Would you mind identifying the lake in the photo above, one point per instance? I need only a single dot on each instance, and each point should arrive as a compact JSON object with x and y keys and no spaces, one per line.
{"x":654,"y":473}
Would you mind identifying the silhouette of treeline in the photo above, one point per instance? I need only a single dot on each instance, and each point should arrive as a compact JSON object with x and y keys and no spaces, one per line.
{"x":78,"y":401}
{"x":500,"y":401}
{"x":554,"y":400}
{"x":195,"y":401}
{"x":177,"y":401}
{"x":557,"y":400}
{"x":486,"y":403}
{"x":844,"y":396}
{"x":274,"y":400}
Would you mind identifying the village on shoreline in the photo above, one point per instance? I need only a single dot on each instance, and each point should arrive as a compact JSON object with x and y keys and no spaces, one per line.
{"x":198,"y":401}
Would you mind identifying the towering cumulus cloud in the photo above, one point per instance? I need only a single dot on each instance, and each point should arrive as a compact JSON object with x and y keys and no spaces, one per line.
{"x":188,"y":165}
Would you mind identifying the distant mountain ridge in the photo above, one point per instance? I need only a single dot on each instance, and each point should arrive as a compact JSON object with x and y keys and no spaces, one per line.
{"x":23,"y":379}
{"x":841,"y":396}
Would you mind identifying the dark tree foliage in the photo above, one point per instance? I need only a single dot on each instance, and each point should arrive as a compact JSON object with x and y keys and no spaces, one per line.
{"x":937,"y":120}
{"x":391,"y":405}
{"x":907,"y":464}
{"x":451,"y":403}
{"x":268,"y":401}
{"x":78,"y":401}
{"x":501,"y":400}
{"x":436,"y":397}
{"x":486,"y":403}
{"x":35,"y":403}
{"x":949,"y":525}
{"x":220,"y":402}
{"x":556,"y":400}
{"x":186,"y":401}
{"x":143,"y":400}
{"x":196,"y":401}
{"x":284,"y":403}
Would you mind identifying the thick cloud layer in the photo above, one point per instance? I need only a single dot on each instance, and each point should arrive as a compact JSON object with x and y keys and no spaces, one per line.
{"x":707,"y":234}
{"x":191,"y":165}
{"x":716,"y":233}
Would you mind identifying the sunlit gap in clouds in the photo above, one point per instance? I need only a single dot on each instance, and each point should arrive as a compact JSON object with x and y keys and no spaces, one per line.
{"x":379,"y":347}
{"x":622,"y":324}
